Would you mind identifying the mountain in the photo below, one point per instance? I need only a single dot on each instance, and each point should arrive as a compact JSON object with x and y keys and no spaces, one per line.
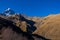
{"x":8,"y":12}
{"x":23,"y":27}
{"x":17,"y":27}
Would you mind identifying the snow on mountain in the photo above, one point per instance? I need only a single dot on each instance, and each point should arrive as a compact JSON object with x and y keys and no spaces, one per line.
{"x":8,"y":12}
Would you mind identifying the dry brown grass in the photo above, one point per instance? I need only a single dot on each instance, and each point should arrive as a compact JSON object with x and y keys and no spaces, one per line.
{"x":48,"y":27}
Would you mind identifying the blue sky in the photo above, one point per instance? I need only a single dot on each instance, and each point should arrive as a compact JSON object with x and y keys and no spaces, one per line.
{"x":32,"y":7}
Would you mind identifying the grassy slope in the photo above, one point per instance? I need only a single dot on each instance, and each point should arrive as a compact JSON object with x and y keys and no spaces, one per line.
{"x":50,"y":28}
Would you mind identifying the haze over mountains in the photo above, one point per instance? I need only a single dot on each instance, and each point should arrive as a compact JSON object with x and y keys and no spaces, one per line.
{"x":29,"y":28}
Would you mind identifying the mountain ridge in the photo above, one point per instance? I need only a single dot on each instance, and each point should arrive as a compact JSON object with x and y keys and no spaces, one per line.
{"x":17,"y":27}
{"x":46,"y":27}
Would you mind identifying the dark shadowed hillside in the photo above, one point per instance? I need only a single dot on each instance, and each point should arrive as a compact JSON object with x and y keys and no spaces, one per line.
{"x":9,"y":30}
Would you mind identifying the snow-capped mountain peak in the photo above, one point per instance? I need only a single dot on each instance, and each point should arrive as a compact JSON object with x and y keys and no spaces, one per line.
{"x":8,"y":12}
{"x":8,"y":9}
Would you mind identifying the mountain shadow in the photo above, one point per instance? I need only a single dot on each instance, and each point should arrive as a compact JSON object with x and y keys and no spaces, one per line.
{"x":9,"y":31}
{"x":30,"y":28}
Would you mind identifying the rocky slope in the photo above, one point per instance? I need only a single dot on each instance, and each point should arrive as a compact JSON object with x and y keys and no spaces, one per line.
{"x":18,"y":27}
{"x":14,"y":29}
{"x":30,"y":28}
